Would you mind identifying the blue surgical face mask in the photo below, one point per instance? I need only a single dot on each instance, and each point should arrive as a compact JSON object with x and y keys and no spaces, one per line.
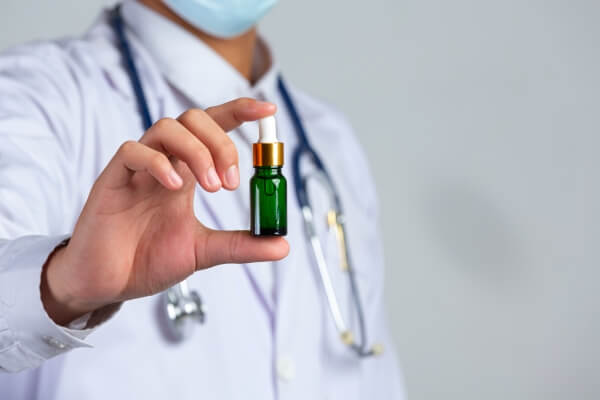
{"x":221,"y":18}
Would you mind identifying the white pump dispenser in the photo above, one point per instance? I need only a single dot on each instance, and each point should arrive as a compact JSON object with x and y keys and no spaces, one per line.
{"x":268,"y":151}
{"x":267,"y":130}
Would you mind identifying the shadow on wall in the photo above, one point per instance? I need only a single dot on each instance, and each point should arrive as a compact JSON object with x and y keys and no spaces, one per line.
{"x":474,"y":230}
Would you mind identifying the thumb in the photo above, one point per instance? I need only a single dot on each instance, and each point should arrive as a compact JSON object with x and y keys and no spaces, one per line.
{"x":214,"y":247}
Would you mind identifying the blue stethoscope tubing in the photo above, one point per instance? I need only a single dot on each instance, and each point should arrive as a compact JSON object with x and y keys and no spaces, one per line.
{"x":303,"y":149}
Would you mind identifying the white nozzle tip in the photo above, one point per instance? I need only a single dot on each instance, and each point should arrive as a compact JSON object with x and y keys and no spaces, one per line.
{"x":267,"y":130}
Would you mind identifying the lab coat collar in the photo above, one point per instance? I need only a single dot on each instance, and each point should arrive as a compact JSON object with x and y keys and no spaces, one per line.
{"x":193,"y":67}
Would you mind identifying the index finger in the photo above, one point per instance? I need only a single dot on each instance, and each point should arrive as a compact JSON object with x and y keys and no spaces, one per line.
{"x":234,"y":113}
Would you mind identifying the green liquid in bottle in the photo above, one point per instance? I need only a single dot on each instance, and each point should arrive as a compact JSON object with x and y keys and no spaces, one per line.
{"x":268,"y":202}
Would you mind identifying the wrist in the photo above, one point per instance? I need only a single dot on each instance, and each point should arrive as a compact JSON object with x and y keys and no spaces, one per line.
{"x":59,"y":302}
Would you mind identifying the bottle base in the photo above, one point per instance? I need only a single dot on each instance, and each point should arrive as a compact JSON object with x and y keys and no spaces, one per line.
{"x":270,"y":232}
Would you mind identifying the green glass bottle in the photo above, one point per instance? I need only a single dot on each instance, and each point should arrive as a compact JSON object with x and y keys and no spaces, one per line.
{"x":268,"y":202}
{"x":268,"y":186}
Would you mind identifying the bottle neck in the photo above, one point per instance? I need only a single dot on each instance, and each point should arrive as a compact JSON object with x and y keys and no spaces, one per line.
{"x":267,"y":171}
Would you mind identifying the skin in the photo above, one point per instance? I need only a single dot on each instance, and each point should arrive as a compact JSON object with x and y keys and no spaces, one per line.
{"x":237,"y":51}
{"x":137,"y":234}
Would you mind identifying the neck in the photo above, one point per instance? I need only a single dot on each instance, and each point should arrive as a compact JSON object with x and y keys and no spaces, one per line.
{"x":237,"y":51}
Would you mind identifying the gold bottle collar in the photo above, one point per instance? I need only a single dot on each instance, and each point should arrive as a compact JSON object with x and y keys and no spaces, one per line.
{"x":267,"y":154}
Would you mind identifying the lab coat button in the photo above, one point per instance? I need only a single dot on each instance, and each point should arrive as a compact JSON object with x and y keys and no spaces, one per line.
{"x":55,"y":342}
{"x":286,"y":370}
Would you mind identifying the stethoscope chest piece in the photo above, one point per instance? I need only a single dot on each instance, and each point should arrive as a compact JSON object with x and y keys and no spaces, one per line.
{"x":183,"y":310}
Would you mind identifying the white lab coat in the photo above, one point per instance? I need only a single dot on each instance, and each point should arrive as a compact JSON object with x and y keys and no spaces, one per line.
{"x":65,"y":107}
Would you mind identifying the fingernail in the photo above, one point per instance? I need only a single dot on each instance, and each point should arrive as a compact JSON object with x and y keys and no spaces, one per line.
{"x":232,"y":177}
{"x":213,"y":178}
{"x":175,"y":178}
{"x":262,"y":104}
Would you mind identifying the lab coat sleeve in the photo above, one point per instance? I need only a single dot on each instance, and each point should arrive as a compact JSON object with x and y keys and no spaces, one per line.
{"x":38,"y":113}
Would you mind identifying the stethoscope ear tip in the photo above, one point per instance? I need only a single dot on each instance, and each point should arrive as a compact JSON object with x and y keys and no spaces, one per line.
{"x":377,"y":349}
{"x":347,"y":338}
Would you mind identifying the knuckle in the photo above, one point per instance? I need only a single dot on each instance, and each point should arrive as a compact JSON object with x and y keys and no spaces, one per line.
{"x":211,"y":109}
{"x":226,"y":152}
{"x":158,"y":161}
{"x":193,"y":114}
{"x":165,"y":124}
{"x":127,"y":147}
{"x":202,"y":153}
{"x":234,"y":245}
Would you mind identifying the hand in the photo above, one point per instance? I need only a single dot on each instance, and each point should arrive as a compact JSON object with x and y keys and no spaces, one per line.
{"x":137,"y":234}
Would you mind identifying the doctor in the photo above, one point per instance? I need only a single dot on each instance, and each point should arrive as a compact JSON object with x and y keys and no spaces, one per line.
{"x":144,"y":209}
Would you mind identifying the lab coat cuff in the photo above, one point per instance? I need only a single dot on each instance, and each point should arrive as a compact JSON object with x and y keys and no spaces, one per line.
{"x":86,"y":324}
{"x":27,"y":325}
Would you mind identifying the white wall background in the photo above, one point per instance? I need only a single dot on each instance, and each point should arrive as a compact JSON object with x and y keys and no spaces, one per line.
{"x":482,"y":123}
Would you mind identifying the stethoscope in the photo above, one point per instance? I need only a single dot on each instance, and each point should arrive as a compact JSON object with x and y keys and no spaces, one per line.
{"x":184,"y":308}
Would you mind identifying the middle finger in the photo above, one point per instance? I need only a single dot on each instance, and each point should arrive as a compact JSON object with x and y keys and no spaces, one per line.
{"x":222,"y":148}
